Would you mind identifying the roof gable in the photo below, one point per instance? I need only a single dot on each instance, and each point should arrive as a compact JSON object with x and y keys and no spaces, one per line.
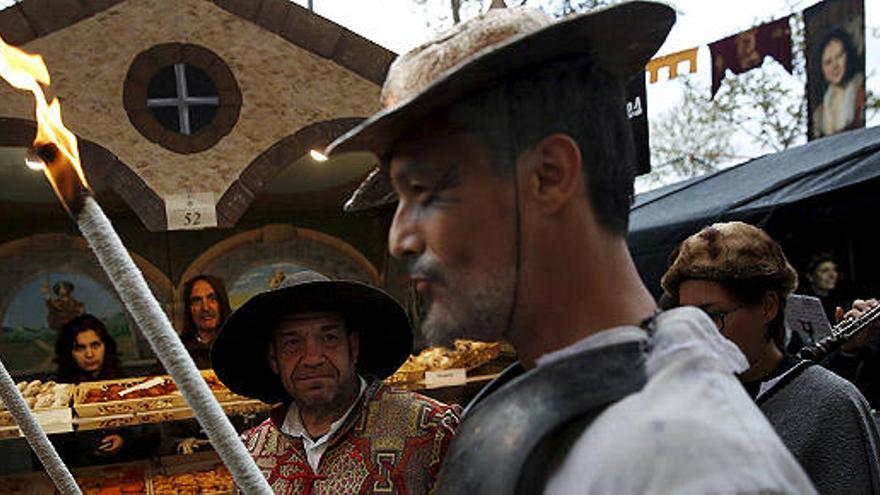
{"x":32,"y":19}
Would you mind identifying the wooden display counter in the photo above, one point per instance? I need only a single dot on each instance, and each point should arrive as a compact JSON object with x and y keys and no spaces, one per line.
{"x":451,"y":375}
{"x":50,"y":403}
{"x":105,"y":405}
{"x":116,"y":403}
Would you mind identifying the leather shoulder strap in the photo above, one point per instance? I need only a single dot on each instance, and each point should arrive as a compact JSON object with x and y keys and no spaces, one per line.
{"x":495,"y":443}
{"x":509,"y":373}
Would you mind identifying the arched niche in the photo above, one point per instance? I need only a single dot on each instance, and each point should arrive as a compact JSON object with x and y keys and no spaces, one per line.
{"x":29,"y":264}
{"x":102,"y":169}
{"x":258,"y":175}
{"x":278,"y":246}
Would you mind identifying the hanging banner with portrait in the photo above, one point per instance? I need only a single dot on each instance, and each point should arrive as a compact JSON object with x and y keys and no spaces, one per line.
{"x":835,"y":35}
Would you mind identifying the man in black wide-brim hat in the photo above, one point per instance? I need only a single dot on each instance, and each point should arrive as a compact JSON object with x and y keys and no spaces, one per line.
{"x":320,"y":349}
{"x":506,"y":144}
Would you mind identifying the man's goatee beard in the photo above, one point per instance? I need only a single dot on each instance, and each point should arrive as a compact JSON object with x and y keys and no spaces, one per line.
{"x":475,"y":313}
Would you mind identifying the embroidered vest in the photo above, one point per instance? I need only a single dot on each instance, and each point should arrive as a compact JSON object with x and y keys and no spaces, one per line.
{"x":393,"y":442}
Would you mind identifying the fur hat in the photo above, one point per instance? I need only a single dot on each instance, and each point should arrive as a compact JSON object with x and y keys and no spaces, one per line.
{"x":476,"y":54}
{"x":730,"y":251}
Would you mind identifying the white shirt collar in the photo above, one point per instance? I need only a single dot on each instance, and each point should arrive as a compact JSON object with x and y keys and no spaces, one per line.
{"x":294,"y":427}
{"x":685,"y":331}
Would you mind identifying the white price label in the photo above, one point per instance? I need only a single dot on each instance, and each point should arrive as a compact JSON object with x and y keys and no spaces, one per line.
{"x":191,"y":211}
{"x":445,"y":378}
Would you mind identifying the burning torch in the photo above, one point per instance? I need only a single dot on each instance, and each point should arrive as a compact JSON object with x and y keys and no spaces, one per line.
{"x":55,"y":151}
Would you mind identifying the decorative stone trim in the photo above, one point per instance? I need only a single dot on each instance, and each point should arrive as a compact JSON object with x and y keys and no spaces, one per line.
{"x":33,"y":19}
{"x":316,"y":34}
{"x":16,"y":28}
{"x":134,"y":98}
{"x":100,"y":166}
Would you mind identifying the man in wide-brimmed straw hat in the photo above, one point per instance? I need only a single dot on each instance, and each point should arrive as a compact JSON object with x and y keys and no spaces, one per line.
{"x":506,"y":144}
{"x":740,"y":277}
{"x":320,"y":349}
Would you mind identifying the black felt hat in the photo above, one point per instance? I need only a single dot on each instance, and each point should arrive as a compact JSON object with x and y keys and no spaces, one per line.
{"x":239,"y":354}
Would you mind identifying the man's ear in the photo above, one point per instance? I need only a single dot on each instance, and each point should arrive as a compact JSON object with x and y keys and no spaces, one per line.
{"x":554,"y":171}
{"x":273,"y":359}
{"x":770,"y":306}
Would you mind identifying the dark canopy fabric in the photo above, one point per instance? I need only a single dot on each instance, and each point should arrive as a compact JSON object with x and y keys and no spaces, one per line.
{"x":752,"y":191}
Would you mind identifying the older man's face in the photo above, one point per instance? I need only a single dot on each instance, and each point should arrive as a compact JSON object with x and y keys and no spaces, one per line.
{"x":455,"y":227}
{"x":315,"y":356}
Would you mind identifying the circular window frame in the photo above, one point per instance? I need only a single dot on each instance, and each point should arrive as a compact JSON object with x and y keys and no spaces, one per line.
{"x":147,"y":63}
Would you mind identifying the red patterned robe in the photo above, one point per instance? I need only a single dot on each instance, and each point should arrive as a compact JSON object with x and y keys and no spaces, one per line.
{"x":394,"y":441}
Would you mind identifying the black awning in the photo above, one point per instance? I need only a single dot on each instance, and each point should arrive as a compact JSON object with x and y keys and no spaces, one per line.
{"x":751,"y":191}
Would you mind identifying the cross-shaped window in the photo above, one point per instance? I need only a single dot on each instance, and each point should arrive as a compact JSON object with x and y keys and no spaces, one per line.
{"x":183,"y":98}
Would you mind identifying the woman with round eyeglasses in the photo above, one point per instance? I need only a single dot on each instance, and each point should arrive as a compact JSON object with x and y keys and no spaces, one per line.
{"x":739,"y":276}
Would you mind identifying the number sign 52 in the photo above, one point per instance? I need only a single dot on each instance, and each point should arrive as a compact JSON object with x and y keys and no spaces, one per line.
{"x":190,"y":211}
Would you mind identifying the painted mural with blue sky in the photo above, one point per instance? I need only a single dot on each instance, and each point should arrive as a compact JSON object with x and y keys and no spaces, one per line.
{"x":27,"y":339}
{"x":260,"y":279}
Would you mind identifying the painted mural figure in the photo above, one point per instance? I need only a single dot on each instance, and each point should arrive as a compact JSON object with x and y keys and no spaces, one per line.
{"x":843,"y":101}
{"x":277,"y":279}
{"x":63,"y":307}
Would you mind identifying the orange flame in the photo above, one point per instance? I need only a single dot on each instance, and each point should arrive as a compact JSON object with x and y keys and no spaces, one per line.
{"x":26,"y":71}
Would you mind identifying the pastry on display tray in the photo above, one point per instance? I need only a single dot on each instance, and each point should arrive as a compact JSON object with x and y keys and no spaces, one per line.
{"x":467,"y":354}
{"x":139,"y":395}
{"x":50,"y":403}
{"x":112,"y":480}
{"x":215,"y":480}
{"x":116,"y":479}
{"x":198,"y":474}
{"x":27,"y":484}
{"x":40,"y":396}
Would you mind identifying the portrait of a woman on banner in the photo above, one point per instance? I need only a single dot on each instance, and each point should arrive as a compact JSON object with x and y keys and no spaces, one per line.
{"x":842,"y":86}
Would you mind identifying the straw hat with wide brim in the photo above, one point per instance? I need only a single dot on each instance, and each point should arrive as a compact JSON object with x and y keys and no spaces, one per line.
{"x":239,"y":354}
{"x":475,"y":54}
